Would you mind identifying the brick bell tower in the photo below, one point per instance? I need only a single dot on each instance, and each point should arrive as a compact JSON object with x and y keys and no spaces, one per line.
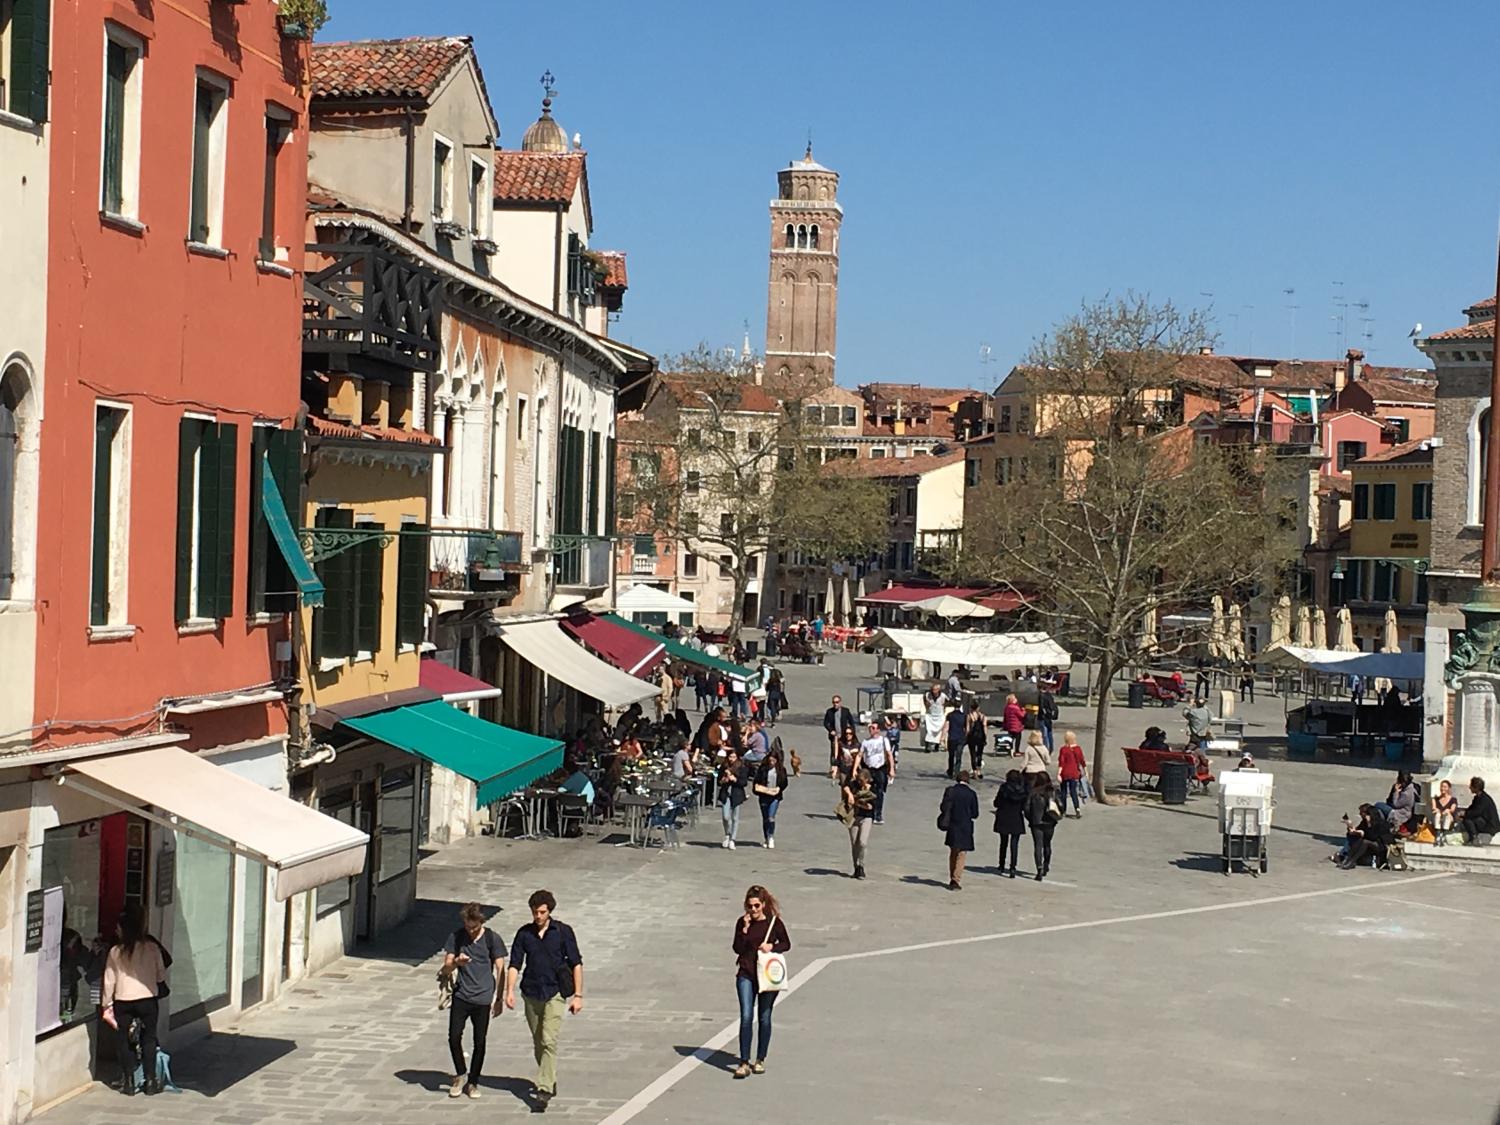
{"x":802,"y":309}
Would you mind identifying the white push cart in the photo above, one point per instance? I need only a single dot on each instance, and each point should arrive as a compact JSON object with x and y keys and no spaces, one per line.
{"x":1245,"y":806}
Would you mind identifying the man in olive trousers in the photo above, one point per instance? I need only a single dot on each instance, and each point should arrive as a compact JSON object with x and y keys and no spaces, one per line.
{"x":545,"y":958}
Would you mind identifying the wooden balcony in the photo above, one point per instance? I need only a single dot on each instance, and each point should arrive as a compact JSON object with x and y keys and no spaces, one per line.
{"x":369,"y":303}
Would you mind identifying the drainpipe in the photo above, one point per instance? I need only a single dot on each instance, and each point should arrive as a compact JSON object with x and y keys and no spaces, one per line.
{"x":557,"y":249}
{"x":411,"y":171}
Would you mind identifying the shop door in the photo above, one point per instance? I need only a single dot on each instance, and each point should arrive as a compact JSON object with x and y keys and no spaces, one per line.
{"x":364,"y":886}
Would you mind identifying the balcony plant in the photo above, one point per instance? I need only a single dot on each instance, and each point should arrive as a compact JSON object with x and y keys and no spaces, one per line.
{"x":301,"y":19}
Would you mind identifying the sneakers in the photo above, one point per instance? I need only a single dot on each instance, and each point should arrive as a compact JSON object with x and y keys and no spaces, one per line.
{"x":472,"y":1091}
{"x":730,"y":845}
{"x":758,"y":1066}
{"x":457,"y":1089}
{"x":770,"y":841}
{"x":859,"y":872}
{"x":953,"y":885}
{"x":742,"y":1071}
{"x":725,"y":844}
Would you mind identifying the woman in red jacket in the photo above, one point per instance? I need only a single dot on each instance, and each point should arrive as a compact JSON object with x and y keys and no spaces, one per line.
{"x":1013,"y":719}
{"x":1070,"y":767}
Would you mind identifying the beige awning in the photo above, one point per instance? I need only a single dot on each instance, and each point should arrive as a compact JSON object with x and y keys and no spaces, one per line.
{"x":304,"y":847}
{"x":544,"y":644}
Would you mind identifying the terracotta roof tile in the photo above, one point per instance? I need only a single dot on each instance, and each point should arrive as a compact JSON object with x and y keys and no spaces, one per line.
{"x":1383,"y":388}
{"x":403,"y":69}
{"x":327,"y":427}
{"x":1485,"y":307}
{"x":916,"y":392}
{"x":616,"y":277}
{"x":1395,"y":452}
{"x":537,"y":177}
{"x":684,"y":388}
{"x":1479,"y":330}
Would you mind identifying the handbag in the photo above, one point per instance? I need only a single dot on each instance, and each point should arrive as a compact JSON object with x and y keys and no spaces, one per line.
{"x":1054,"y":814}
{"x":942,"y":817}
{"x":844,"y":813}
{"x":770,"y":968}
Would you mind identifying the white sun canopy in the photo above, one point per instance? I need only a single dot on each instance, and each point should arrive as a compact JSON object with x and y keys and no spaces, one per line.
{"x":974,"y":650}
{"x":544,"y":644}
{"x":947,"y":606}
{"x":1332,"y":662}
{"x":650,"y":599}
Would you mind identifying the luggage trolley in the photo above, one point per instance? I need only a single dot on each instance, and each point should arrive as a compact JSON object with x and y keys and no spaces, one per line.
{"x":1245,"y":806}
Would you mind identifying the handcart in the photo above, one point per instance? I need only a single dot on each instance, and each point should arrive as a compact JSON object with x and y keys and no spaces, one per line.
{"x":1245,"y":806}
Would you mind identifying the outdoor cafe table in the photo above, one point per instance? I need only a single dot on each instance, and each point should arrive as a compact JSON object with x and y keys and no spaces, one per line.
{"x":636,"y":807}
{"x":538,"y":798}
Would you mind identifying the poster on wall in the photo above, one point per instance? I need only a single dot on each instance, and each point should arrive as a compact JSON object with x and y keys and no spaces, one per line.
{"x":49,"y":963}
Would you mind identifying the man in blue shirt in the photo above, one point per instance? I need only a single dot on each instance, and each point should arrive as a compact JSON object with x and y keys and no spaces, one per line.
{"x":547,"y":950}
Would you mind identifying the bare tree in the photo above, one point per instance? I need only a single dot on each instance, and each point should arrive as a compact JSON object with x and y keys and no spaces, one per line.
{"x":1116,"y":509}
{"x":725,"y":469}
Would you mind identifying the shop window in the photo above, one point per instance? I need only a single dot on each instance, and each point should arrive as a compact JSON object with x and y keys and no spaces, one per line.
{"x":253,"y":896}
{"x":333,"y":896}
{"x":1385,"y":582}
{"x":200,"y":942}
{"x":396,"y":816}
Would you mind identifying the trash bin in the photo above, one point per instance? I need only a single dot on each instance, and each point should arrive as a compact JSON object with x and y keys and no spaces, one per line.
{"x":1135,"y":695}
{"x":1174,"y":783}
{"x":752,"y":649}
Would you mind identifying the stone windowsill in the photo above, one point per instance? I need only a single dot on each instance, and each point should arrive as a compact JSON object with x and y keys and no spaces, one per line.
{"x":332,"y":663}
{"x":275,"y":268}
{"x":195,"y":626}
{"x":206,"y":249}
{"x":111,"y":632}
{"x":122,"y":223}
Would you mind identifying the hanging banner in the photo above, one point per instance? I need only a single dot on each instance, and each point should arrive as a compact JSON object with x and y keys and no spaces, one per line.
{"x":49,"y":963}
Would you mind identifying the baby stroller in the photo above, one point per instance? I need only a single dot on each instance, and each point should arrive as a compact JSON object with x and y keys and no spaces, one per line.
{"x":163,"y":1062}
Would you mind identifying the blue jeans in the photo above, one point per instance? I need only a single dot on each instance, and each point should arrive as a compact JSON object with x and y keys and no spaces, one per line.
{"x":1064,"y":788}
{"x":731,"y":814}
{"x":752,"y":1002}
{"x":768,"y":807}
{"x":1045,"y":726}
{"x":739,"y":703}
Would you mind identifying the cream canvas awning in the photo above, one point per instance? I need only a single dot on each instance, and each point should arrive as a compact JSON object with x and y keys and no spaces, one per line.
{"x":544,"y":644}
{"x":974,"y":650}
{"x":305,"y":848}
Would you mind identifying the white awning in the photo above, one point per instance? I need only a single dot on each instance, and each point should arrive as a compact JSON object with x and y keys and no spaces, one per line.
{"x":974,"y":650}
{"x":650,"y":599}
{"x":544,"y":644}
{"x":1332,"y":662}
{"x":303,"y":846}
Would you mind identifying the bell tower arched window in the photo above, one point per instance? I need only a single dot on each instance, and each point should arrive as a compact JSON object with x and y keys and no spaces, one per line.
{"x":791,"y":236}
{"x":812,"y":237}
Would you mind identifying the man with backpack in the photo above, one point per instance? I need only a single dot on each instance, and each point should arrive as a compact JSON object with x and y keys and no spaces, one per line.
{"x":476,"y":955}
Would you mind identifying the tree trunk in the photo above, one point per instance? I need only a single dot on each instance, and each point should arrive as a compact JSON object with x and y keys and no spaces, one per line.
{"x":1101,"y":727}
{"x":737,"y":608}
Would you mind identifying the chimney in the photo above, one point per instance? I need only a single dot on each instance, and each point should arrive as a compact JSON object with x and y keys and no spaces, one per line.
{"x":1206,"y":349}
{"x":1354,"y":364}
{"x":760,"y":372}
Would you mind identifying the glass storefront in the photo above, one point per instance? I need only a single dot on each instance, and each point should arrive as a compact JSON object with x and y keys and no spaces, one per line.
{"x":200,"y":930}
{"x":338,"y":804}
{"x":397,"y":818}
{"x":253,"y":895}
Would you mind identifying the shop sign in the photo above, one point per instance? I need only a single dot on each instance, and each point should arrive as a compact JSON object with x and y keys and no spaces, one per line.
{"x":35,"y":914}
{"x":49,"y":964}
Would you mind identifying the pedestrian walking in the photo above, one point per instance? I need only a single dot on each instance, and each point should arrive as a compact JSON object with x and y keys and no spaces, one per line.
{"x":702,"y":690}
{"x":835,"y":720}
{"x":1042,"y":816}
{"x":1046,"y":715}
{"x":857,"y":811}
{"x":1034,"y":756}
{"x":847,"y":756}
{"x":732,"y":776}
{"x":975,"y":733}
{"x":1010,"y":818}
{"x":875,"y":756}
{"x":954,"y":689}
{"x":761,"y":929}
{"x":1247,"y":681}
{"x":474,"y":959}
{"x":956,"y":816}
{"x":1070,"y":770}
{"x":547,"y":950}
{"x":1201,"y":681}
{"x":775,"y":700}
{"x":934,"y":718}
{"x":770,"y":786}
{"x":134,"y":970}
{"x":957,"y":724}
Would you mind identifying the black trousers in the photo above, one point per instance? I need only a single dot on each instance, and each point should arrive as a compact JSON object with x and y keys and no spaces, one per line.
{"x":1012,"y":840}
{"x":1361,"y":849}
{"x":1041,"y":846}
{"x":955,"y":758}
{"x":880,"y":779}
{"x":976,"y":755}
{"x":145,"y":1011}
{"x":460,"y":1013}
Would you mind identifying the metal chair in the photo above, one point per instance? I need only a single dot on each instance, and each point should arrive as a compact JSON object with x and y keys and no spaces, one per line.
{"x":572,"y":808}
{"x":514,"y":805}
{"x":665,"y":818}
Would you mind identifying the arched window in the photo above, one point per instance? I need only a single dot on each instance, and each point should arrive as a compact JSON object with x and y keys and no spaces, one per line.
{"x":13,"y":392}
{"x":802,"y":237}
{"x":813,"y":237}
{"x":1479,"y":446}
{"x":791,"y":236}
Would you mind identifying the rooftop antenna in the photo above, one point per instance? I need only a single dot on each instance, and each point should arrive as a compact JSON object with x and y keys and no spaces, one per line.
{"x":1251,"y":309}
{"x":1292,"y":308}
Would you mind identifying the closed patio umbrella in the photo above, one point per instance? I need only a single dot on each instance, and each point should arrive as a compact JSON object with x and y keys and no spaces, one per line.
{"x":1147,"y":641}
{"x":1281,"y":622}
{"x":1344,"y":642}
{"x":828,"y":600}
{"x":1319,"y":628}
{"x":1216,"y":630}
{"x":1235,"y":630}
{"x":1304,"y":626}
{"x":1389,"y":641}
{"x":846,"y":604}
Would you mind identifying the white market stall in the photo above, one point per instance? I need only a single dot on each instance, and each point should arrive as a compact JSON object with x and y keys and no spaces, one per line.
{"x":1330,"y":710}
{"x":649,"y":605}
{"x":969,"y":650}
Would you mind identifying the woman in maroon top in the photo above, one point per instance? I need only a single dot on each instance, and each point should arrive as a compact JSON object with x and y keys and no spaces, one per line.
{"x":759,"y":930}
{"x":1070,"y":769}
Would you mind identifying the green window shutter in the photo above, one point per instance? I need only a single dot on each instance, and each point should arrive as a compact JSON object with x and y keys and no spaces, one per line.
{"x":333,"y":621}
{"x":411,"y":583}
{"x":189,"y":438}
{"x":258,"y":536}
{"x":609,"y":488}
{"x":593,"y":519}
{"x":369,"y":560}
{"x":29,"y":58}
{"x":207,"y":574}
{"x":221,"y":561}
{"x":106,"y":422}
{"x":116,"y":73}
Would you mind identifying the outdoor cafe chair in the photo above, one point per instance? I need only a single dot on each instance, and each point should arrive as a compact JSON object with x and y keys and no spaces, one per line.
{"x":665,"y":818}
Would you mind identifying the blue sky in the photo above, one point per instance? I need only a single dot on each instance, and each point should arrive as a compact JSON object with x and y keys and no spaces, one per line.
{"x":1002,"y":162}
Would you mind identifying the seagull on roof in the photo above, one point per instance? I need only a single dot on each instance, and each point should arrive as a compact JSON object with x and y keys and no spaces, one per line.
{"x":1416,"y":330}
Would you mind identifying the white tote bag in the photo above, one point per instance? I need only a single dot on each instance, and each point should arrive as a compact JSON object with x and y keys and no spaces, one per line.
{"x":770,"y":968}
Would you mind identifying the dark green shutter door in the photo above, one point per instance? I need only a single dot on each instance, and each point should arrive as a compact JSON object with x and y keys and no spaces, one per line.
{"x":189,"y":438}
{"x":369,"y":557}
{"x":221,"y":561}
{"x":30,"y":27}
{"x":104,"y":433}
{"x":208,"y":522}
{"x":593,"y":527}
{"x":609,"y":488}
{"x":284,"y":452}
{"x":333,"y":622}
{"x":258,"y":538}
{"x":411,"y":583}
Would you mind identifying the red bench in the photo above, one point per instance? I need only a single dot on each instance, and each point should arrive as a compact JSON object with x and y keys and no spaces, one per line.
{"x":1165,"y":694}
{"x":1146,"y":764}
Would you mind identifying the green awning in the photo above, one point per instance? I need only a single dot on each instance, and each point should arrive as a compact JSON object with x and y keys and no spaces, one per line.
{"x":280,"y":524}
{"x":497,"y":759}
{"x":689,"y":655}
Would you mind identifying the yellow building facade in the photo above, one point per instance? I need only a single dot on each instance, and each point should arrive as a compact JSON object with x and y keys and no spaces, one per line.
{"x":1390,"y":539}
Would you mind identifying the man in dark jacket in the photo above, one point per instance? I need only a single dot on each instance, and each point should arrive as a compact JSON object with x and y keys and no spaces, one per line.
{"x":1479,"y":822}
{"x":1370,"y":838}
{"x":835,"y":720}
{"x":1046,"y":715}
{"x":957,"y":814}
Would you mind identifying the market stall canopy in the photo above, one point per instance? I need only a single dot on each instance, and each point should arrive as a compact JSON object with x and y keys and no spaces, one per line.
{"x":676,"y":650}
{"x":305,"y":847}
{"x":454,"y":686}
{"x":1331,"y":662}
{"x":544,"y":644}
{"x":949,"y":608}
{"x":649,"y":599}
{"x":497,"y":759}
{"x":974,"y":650}
{"x":625,"y":649}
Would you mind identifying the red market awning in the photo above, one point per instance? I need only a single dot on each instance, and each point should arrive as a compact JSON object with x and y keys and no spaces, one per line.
{"x":901,"y":593}
{"x":454,"y":686}
{"x":626,"y":649}
{"x":1002,"y":601}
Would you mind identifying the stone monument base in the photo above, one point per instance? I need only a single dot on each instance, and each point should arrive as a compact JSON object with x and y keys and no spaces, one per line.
{"x":1476,"y":737}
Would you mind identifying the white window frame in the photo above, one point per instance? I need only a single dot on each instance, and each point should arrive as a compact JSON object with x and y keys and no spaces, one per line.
{"x":442,"y":193}
{"x":218,"y":147}
{"x":119,"y":524}
{"x":130,"y":141}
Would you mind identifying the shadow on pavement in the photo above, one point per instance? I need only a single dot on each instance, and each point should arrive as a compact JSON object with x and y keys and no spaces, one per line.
{"x":1200,"y":861}
{"x":437,"y":1081}
{"x":819,"y":816}
{"x":1321,"y":837}
{"x":214,"y":1064}
{"x":721,"y":1060}
{"x":923,"y":881}
{"x":825,"y":871}
{"x":421,"y":935}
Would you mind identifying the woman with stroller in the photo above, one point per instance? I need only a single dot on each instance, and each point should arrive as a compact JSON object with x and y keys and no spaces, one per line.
{"x":133,"y":974}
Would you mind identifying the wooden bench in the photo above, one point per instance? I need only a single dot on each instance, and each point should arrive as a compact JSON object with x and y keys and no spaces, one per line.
{"x":1146,"y":764}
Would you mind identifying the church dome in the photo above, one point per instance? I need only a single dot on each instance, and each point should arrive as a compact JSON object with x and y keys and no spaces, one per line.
{"x":545,"y":134}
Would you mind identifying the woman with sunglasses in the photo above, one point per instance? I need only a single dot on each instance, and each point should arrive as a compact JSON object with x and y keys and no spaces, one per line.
{"x":759,"y":930}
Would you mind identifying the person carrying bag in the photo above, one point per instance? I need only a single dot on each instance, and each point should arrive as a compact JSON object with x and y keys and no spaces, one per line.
{"x":760,"y":944}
